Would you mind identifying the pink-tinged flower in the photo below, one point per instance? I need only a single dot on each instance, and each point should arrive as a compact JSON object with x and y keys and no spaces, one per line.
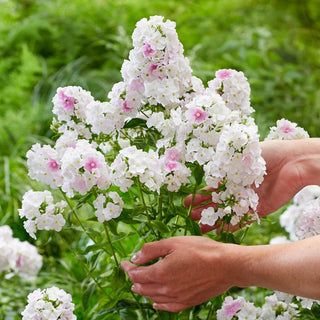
{"x":67,"y":102}
{"x":172,"y":154}
{"x":233,"y":308}
{"x":153,"y":67}
{"x":53,"y":165}
{"x":230,"y":307}
{"x":172,"y":165}
{"x":197,"y":115}
{"x":147,"y":50}
{"x":19,"y":261}
{"x":247,"y":160}
{"x":91,"y":164}
{"x":286,"y":128}
{"x":136,"y":84}
{"x":223,"y":74}
{"x":126,"y":107}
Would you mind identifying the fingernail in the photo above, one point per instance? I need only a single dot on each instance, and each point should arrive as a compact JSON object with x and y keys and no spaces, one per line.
{"x":134,"y":258}
{"x":133,"y":287}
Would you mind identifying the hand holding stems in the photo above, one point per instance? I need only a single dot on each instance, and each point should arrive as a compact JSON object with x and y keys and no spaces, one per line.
{"x":194,"y":269}
{"x":291,"y":165}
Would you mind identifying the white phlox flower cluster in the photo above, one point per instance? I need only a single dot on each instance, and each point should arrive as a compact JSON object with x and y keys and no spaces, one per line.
{"x":108,"y":206}
{"x":234,"y":89}
{"x":157,"y":69}
{"x":286,"y":130}
{"x":76,"y":168}
{"x":302,"y":219}
{"x":236,"y":164}
{"x":70,"y":103}
{"x":278,"y":306}
{"x":100,"y":145}
{"x":135,"y":163}
{"x":41,"y":212}
{"x":82,"y":168}
{"x":49,"y":304}
{"x":237,"y":309}
{"x":18,"y":257}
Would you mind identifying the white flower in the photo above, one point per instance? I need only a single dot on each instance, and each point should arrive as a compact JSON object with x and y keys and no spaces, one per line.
{"x":18,"y":257}
{"x":234,"y":89}
{"x":44,"y":165}
{"x":286,"y":130}
{"x":41,"y":212}
{"x":209,"y":216}
{"x":82,"y":168}
{"x":71,"y":101}
{"x":108,"y":206}
{"x":51,"y":304}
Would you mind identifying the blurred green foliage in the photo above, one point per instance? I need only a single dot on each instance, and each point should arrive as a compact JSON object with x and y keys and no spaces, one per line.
{"x":45,"y":44}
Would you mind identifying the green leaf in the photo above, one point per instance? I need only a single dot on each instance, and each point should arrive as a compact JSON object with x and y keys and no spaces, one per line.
{"x":193,"y":227}
{"x":162,"y":227}
{"x":95,"y":247}
{"x":135,"y":122}
{"x":128,"y":314}
{"x":198,"y":174}
{"x":112,"y":225}
{"x":119,"y":279}
{"x":87,"y":295}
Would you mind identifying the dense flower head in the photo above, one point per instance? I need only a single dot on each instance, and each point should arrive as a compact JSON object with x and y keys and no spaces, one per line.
{"x":157,"y":68}
{"x":234,"y":89}
{"x":302,"y":218}
{"x":18,"y":257}
{"x":237,"y":309}
{"x":44,"y":165}
{"x":41,"y":212}
{"x":70,"y":103}
{"x":82,"y":168}
{"x":49,"y":304}
{"x":108,"y":206}
{"x":286,"y":130}
{"x":278,"y":306}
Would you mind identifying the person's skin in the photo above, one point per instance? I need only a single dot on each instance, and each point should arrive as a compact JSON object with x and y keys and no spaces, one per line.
{"x":195,"y":269}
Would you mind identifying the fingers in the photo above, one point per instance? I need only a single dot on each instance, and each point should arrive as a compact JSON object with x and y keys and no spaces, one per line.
{"x":154,"y":291}
{"x":138,"y":274}
{"x":152,"y":250}
{"x":172,"y":307}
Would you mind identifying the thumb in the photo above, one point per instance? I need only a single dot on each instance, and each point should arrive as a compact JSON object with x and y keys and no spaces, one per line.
{"x":153,"y":250}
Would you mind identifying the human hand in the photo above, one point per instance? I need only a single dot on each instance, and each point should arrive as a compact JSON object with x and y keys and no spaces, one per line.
{"x":192,"y":270}
{"x":287,"y":173}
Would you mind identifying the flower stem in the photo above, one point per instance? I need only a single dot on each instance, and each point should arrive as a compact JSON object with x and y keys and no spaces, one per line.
{"x":110,"y":242}
{"x":146,"y":209}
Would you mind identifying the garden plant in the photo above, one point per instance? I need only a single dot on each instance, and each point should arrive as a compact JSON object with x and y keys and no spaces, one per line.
{"x":113,"y":172}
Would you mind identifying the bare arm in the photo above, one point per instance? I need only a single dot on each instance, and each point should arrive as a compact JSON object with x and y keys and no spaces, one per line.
{"x":291,"y":267}
{"x":195,"y":269}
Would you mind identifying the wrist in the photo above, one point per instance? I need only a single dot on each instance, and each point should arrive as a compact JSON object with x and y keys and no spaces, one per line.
{"x":308,"y":161}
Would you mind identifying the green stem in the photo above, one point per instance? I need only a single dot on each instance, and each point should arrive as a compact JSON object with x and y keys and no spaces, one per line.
{"x":74,"y":212}
{"x":191,"y":205}
{"x":146,"y":209}
{"x":160,"y":205}
{"x":83,"y":264}
{"x":110,"y":242}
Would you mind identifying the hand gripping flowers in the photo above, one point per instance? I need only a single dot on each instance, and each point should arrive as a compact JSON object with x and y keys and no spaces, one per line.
{"x":159,"y":124}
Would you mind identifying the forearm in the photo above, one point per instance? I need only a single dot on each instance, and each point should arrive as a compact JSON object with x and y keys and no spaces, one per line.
{"x":292,"y":267}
